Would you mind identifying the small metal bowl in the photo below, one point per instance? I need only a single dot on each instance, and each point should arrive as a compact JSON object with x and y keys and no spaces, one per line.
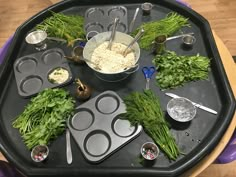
{"x":146,"y":8}
{"x":39,"y":153}
{"x":181,"y":109}
{"x":149,"y":151}
{"x":38,"y":39}
{"x":188,"y":40}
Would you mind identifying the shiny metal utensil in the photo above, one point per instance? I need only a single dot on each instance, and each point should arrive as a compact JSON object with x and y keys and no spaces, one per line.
{"x":77,"y":58}
{"x":178,"y":36}
{"x":148,"y":72}
{"x":116,"y":21}
{"x":195,"y":104}
{"x":131,"y":26}
{"x":136,"y":38}
{"x":68,"y":147}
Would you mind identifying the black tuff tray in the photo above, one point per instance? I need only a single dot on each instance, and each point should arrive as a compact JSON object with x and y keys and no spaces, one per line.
{"x":98,"y":129}
{"x":196,"y":138}
{"x":32,"y":71}
{"x":101,"y":19}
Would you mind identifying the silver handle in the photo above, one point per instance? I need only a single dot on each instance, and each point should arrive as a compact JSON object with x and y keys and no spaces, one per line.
{"x":133,"y":20}
{"x":113,"y":33}
{"x":68,"y":147}
{"x":136,"y":38}
{"x":178,"y":36}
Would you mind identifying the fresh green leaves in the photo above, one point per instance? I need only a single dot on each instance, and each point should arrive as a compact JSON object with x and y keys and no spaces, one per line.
{"x":175,"y":70}
{"x":144,"y":108}
{"x":68,"y":27}
{"x":167,"y":26}
{"x":44,"y":118}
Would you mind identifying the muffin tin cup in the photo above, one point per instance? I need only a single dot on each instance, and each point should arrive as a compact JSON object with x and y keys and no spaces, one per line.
{"x":31,"y":71}
{"x":98,"y":129}
{"x":101,"y":19}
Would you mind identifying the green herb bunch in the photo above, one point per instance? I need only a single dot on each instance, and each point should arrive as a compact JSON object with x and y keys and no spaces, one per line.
{"x":68,"y":27}
{"x":167,"y":26}
{"x":175,"y":70}
{"x":44,"y":118}
{"x":144,"y":109}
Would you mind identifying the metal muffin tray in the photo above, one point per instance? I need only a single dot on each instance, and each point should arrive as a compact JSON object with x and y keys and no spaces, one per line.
{"x":101,"y":19}
{"x":31,"y":71}
{"x":97,"y":128}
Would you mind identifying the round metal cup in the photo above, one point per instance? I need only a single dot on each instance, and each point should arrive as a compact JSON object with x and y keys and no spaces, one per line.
{"x":160,"y":44}
{"x":38,"y":39}
{"x":39,"y":153}
{"x":181,"y":109}
{"x":188,"y":40}
{"x":146,"y":8}
{"x":77,"y":52}
{"x":149,"y":151}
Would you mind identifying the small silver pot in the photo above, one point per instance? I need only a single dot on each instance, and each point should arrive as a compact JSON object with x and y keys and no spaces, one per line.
{"x":98,"y":39}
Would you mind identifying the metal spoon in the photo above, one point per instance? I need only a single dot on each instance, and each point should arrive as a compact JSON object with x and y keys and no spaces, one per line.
{"x":178,"y":36}
{"x":68,"y":147}
{"x":113,"y":33}
{"x":133,"y":20}
{"x":136,"y":38}
{"x":77,"y":58}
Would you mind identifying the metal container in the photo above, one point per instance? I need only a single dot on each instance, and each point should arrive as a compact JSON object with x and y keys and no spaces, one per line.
{"x":123,"y":38}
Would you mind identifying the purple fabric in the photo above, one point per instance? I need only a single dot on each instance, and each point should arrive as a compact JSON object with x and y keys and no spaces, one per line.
{"x":3,"y":50}
{"x":229,"y":153}
{"x":184,"y":3}
{"x":7,"y":170}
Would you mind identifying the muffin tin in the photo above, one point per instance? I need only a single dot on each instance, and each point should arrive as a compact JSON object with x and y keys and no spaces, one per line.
{"x":97,"y":128}
{"x":101,"y":19}
{"x":31,"y":71}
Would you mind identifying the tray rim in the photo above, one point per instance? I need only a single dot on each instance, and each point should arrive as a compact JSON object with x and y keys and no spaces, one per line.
{"x":175,"y":171}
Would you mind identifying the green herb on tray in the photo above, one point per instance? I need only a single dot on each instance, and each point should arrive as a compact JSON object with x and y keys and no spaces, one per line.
{"x":44,"y":118}
{"x":174,"y":70}
{"x":144,"y":109}
{"x":167,"y":26}
{"x":68,"y":27}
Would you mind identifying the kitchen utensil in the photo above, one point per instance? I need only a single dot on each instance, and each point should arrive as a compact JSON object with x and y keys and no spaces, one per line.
{"x":113,"y":33}
{"x":181,"y":109}
{"x":32,"y":71}
{"x":100,"y":38}
{"x":195,"y":104}
{"x":179,"y":36}
{"x":146,"y":7}
{"x":39,"y":153}
{"x":68,"y":147}
{"x":149,"y":151}
{"x":131,"y":26}
{"x":136,"y":38}
{"x":160,"y":44}
{"x":98,"y":128}
{"x":101,"y":19}
{"x":77,"y":58}
{"x":188,"y":40}
{"x":38,"y":39}
{"x":148,"y":72}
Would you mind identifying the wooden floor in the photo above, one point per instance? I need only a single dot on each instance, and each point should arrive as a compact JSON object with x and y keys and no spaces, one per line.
{"x":221,"y":15}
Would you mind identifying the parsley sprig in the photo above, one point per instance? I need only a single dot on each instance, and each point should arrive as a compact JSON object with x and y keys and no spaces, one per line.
{"x":44,"y":118}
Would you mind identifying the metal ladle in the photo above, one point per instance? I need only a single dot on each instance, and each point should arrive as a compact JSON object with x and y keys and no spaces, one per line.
{"x":113,"y":33}
{"x":178,"y":36}
{"x":136,"y":38}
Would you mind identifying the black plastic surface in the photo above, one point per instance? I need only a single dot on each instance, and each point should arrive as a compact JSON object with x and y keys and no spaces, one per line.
{"x":196,"y":138}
